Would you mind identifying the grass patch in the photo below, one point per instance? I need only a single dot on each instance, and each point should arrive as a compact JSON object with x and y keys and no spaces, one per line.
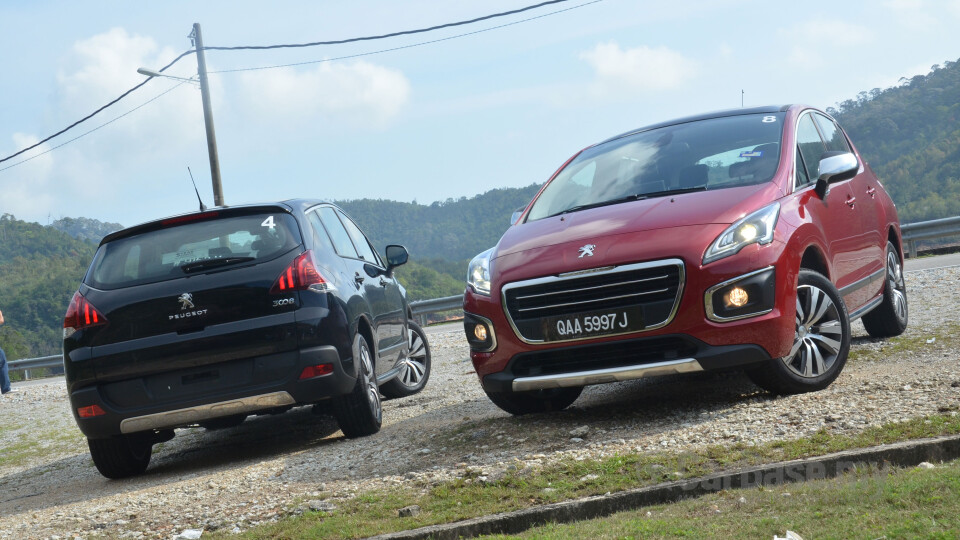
{"x":376,"y":511}
{"x":947,"y":337}
{"x":866,"y":503}
{"x":22,"y":445}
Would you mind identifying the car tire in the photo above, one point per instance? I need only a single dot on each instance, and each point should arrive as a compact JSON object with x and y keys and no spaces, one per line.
{"x":535,"y":401}
{"x":890,"y":317}
{"x":360,"y":412}
{"x":821,"y":341}
{"x":415,"y":368}
{"x":121,"y":456}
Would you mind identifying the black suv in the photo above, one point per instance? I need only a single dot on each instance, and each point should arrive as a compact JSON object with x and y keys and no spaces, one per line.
{"x":208,"y":317}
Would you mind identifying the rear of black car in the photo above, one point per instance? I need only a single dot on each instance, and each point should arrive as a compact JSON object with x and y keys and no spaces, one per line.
{"x":201,"y":318}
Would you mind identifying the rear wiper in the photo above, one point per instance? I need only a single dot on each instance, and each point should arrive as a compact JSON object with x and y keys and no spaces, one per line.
{"x":579,"y":207}
{"x":213,"y":263}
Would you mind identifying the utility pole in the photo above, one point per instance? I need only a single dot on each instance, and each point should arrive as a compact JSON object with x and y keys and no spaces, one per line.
{"x":741,"y":98}
{"x":197,"y":38}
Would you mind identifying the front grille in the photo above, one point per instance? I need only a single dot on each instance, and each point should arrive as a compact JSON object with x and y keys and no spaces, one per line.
{"x":612,"y":354}
{"x":653,"y":287}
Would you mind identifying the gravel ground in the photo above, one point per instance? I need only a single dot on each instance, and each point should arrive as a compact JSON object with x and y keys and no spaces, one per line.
{"x":270,"y":467}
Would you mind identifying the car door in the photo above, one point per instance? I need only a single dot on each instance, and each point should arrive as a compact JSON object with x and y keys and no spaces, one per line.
{"x":870,"y":243}
{"x":835,"y":212}
{"x":389,"y":310}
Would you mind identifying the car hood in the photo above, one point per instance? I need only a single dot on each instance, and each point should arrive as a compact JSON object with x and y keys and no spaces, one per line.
{"x":722,"y":206}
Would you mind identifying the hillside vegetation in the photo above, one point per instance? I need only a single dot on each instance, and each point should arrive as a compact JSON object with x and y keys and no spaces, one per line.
{"x":910,"y":135}
{"x":40,"y":268}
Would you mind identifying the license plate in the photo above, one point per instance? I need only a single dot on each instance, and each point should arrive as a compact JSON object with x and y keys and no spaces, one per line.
{"x":592,"y":323}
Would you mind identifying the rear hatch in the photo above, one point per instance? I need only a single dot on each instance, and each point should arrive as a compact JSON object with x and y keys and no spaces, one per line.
{"x":191,"y":292}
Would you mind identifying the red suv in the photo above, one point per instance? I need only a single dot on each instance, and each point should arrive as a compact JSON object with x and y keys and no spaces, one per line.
{"x":748,"y":238}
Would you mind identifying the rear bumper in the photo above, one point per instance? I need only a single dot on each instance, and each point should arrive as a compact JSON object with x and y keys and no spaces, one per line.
{"x":191,"y":395}
{"x":600,"y":363}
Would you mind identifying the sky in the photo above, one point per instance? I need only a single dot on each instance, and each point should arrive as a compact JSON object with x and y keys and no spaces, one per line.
{"x":425,"y":123}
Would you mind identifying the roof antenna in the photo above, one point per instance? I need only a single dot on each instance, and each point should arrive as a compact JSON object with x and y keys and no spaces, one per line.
{"x":202,"y":206}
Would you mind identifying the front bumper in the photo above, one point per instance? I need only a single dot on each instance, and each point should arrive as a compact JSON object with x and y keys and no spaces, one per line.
{"x":599,"y":363}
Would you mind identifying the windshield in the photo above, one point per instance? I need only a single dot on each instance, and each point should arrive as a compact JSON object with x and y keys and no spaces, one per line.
{"x":708,"y":154}
{"x":192,"y":247}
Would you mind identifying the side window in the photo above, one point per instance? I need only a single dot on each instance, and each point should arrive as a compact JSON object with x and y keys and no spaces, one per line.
{"x":810,"y":145}
{"x":320,"y":237}
{"x":832,"y":134}
{"x":802,"y":177}
{"x":339,"y":236}
{"x":359,"y":240}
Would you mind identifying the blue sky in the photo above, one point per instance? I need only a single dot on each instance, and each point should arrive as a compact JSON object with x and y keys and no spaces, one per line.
{"x":502,"y":108}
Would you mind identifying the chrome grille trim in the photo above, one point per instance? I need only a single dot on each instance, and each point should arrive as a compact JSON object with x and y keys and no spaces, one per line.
{"x":589,"y":274}
{"x":665,"y":276}
{"x":618,"y":297}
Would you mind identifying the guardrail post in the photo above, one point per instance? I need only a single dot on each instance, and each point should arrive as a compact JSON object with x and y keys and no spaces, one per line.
{"x":26,"y":374}
{"x":912,"y":249}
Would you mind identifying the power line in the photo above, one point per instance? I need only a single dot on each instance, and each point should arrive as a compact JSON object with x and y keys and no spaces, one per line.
{"x":390,"y":35}
{"x":299,"y":45}
{"x":84,"y":134}
{"x":380,"y":51}
{"x":91,"y":115}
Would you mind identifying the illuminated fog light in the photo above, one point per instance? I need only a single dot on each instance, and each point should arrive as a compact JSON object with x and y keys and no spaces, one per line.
{"x":748,"y":232}
{"x":480,"y":332}
{"x":737,"y":297}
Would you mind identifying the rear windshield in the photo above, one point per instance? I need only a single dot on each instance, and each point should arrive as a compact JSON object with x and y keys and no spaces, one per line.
{"x":192,"y":247}
{"x":703,"y":155}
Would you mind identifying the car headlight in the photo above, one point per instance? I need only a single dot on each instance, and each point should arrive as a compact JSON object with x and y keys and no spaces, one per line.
{"x":478,"y":273}
{"x":756,"y":228}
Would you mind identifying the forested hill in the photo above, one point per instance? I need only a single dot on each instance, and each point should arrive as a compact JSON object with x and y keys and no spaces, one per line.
{"x":40,"y":268}
{"x":910,"y":135}
{"x":454,"y":230}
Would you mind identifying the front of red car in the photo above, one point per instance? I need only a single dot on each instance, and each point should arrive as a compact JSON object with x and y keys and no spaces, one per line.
{"x":605,"y":278}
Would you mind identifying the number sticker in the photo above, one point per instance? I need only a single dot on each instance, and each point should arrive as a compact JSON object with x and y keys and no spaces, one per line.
{"x":268,"y":223}
{"x":769,"y":119}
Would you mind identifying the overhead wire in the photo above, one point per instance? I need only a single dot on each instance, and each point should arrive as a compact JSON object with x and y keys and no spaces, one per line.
{"x":297,"y":45}
{"x":84,"y":134}
{"x":399,"y":48}
{"x":390,"y":35}
{"x":94,"y":113}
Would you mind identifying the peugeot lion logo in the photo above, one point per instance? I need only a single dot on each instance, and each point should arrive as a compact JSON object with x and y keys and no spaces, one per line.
{"x":186,"y":301}
{"x":587,"y":251}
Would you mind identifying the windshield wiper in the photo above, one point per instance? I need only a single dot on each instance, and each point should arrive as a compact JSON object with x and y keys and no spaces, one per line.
{"x":673,"y":192}
{"x":213,"y":263}
{"x":628,"y":198}
{"x":579,"y":207}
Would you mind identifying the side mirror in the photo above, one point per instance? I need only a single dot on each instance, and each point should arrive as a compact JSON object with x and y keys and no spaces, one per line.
{"x":396,"y":256}
{"x":835,"y":167}
{"x":516,"y":214}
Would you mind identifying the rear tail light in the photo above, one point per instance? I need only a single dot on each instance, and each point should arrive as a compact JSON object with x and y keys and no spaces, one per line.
{"x":81,"y":314}
{"x":302,"y":274}
{"x":90,"y":411}
{"x":318,"y":370}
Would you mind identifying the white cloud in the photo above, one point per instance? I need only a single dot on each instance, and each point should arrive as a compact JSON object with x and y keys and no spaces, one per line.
{"x":913,"y":14}
{"x":356,"y":95}
{"x":31,"y":195}
{"x":641,"y":68}
{"x":820,"y":40}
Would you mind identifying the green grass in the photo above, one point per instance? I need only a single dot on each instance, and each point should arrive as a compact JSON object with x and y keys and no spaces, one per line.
{"x":375,"y":511}
{"x":947,"y":338}
{"x":866,"y":503}
{"x":19,"y":446}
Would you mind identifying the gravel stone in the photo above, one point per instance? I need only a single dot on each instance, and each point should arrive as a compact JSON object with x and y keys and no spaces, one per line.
{"x":261,"y":471}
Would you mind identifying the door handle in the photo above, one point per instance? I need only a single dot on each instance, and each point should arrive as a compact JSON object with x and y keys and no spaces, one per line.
{"x":383,"y":282}
{"x":851,"y":201}
{"x":872,"y":192}
{"x":358,"y":278}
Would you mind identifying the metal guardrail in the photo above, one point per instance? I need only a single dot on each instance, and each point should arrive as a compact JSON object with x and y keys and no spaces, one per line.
{"x":422,"y":308}
{"x":926,"y":230}
{"x":26,"y":364}
{"x":911,"y":232}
